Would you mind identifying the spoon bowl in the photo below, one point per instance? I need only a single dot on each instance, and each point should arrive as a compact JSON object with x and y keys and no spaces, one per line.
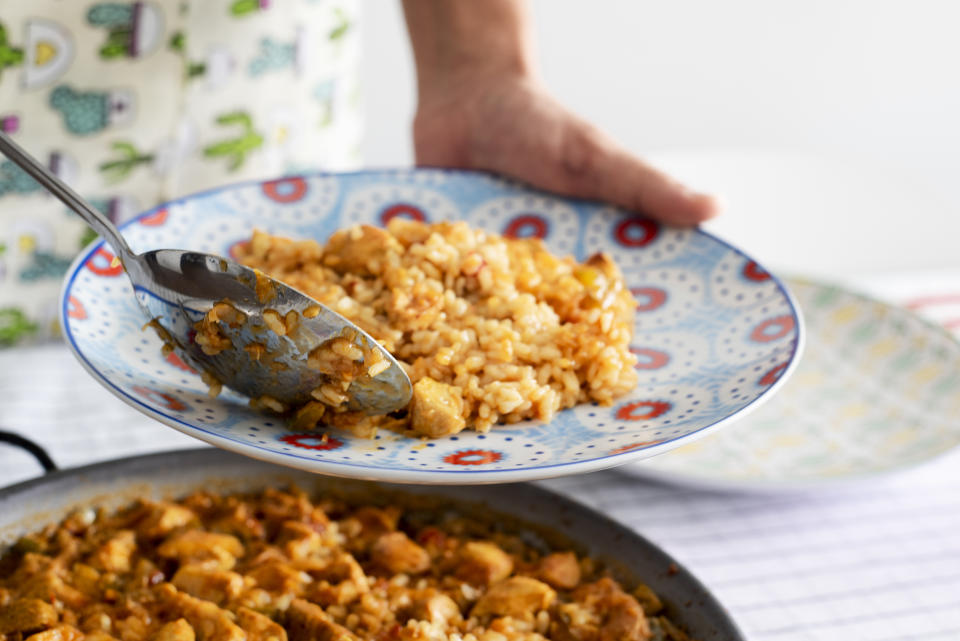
{"x":176,"y":289}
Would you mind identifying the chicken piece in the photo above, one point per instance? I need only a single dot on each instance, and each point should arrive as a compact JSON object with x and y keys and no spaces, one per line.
{"x":338,"y":582}
{"x":359,"y":250}
{"x":24,"y":616}
{"x":603,"y":611}
{"x":299,"y":540}
{"x":433,"y":540}
{"x":436,"y":409}
{"x":86,"y":579}
{"x":624,"y":620}
{"x":365,"y":526}
{"x":306,"y":621}
{"x":239,"y":520}
{"x":483,"y":563}
{"x":210,"y":622}
{"x":432,"y":605}
{"x":198,"y":546}
{"x":561,"y":570}
{"x":277,"y":576}
{"x":58,"y":633}
{"x":260,"y":627}
{"x":520,"y":597}
{"x":278,"y":506}
{"x":116,"y":553}
{"x":342,"y":567}
{"x":397,"y":554}
{"x":210,"y":584}
{"x":327,"y":594}
{"x":163,"y":518}
{"x":178,"y":630}
{"x":134,"y":627}
{"x":377,"y":520}
{"x":47,"y":583}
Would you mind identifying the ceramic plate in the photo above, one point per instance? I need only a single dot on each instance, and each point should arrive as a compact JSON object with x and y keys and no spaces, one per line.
{"x":715,"y":333}
{"x":876,"y":391}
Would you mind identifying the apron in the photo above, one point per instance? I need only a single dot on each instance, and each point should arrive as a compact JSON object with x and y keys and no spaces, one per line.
{"x":135,"y":103}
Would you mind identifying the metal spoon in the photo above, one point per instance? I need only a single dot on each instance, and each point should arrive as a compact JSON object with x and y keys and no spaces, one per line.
{"x":176,"y":288}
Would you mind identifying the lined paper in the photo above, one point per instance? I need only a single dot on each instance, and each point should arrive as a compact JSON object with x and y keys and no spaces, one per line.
{"x":879,"y":562}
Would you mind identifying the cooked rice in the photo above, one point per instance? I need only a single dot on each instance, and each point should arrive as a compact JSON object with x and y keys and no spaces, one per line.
{"x":490,"y":329}
{"x":278,"y":565}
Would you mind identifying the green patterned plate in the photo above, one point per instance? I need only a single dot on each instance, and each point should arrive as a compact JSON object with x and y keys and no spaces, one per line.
{"x":877,"y":391}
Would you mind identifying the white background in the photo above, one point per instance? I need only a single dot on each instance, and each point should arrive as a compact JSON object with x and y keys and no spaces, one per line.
{"x":828,"y":126}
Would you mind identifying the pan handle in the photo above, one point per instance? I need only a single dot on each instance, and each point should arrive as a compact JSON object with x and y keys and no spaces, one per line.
{"x":33,"y":448}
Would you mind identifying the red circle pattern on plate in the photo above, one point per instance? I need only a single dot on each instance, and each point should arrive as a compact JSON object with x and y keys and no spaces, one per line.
{"x":402,"y":209}
{"x":102,"y":263}
{"x":635,"y":446}
{"x":649,"y":298}
{"x":527,"y":226}
{"x":155,"y":219}
{"x":753,"y":271}
{"x":179,"y":363}
{"x":308,"y":441}
{"x":473,"y":457}
{"x":772,"y":329}
{"x":75,"y":309}
{"x":636,"y":232}
{"x":160,"y":398}
{"x":643,"y":410}
{"x":285,"y":190}
{"x":650,"y":358}
{"x":771,"y":377}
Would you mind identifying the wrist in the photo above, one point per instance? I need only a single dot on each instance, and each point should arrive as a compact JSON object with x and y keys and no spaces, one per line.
{"x":458,"y":45}
{"x":469,"y":76}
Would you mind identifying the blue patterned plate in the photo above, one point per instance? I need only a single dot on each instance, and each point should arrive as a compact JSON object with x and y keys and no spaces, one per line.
{"x":715,"y":333}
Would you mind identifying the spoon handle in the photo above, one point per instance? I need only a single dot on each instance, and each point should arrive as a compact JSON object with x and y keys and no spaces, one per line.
{"x":100,"y":223}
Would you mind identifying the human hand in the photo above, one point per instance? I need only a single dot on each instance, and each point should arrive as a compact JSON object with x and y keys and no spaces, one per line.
{"x":510,"y":125}
{"x":481,"y":106}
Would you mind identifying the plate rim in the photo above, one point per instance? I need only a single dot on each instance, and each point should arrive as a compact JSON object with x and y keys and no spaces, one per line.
{"x":375,"y":472}
{"x":795,"y":485}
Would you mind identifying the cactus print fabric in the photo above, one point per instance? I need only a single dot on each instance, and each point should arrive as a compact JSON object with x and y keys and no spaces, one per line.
{"x":135,"y":103}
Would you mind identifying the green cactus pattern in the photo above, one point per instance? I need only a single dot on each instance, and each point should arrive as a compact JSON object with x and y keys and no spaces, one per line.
{"x":9,"y":56}
{"x":14,"y":326}
{"x":128,"y":160}
{"x":138,"y":101}
{"x":235,"y":149}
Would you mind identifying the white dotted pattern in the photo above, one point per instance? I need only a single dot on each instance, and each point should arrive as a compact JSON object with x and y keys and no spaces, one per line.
{"x":680,"y":290}
{"x":731,"y":284}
